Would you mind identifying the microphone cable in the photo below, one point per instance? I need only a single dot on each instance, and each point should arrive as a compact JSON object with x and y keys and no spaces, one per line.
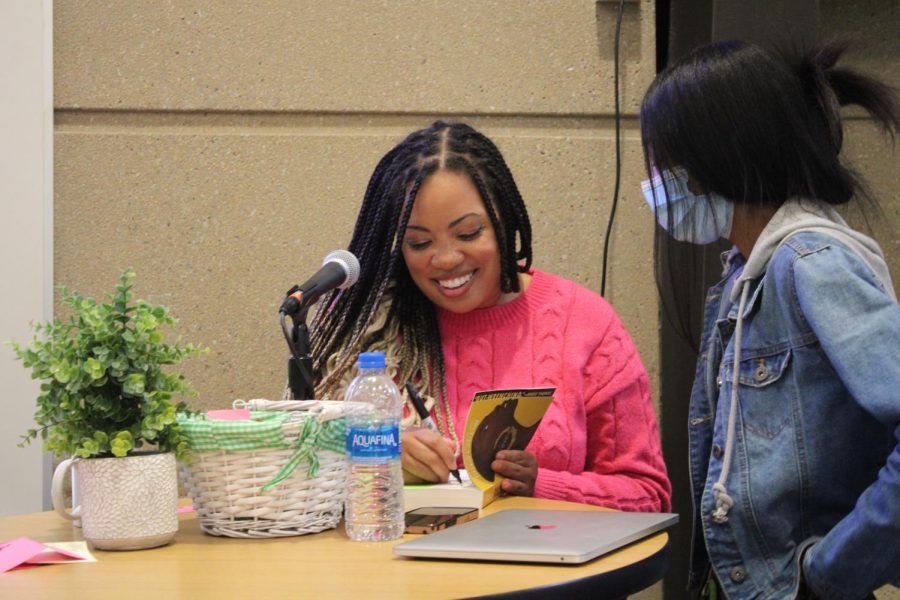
{"x":618,"y":118}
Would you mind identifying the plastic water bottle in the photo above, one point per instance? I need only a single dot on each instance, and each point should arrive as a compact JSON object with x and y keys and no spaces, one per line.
{"x":373,"y":510}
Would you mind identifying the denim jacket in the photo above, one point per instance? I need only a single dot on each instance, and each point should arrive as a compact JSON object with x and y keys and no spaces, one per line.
{"x":815,"y":449}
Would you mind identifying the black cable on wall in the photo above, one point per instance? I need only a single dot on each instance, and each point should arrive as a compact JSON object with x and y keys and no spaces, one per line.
{"x":618,"y":121}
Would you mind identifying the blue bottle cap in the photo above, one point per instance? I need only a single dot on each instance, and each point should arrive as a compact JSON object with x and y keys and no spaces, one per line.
{"x":371,"y":360}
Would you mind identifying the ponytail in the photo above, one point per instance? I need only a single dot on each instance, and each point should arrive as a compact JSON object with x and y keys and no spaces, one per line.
{"x":829,"y":87}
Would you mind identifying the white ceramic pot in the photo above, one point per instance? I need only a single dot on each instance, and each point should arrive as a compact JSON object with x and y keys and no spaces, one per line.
{"x":127,"y":503}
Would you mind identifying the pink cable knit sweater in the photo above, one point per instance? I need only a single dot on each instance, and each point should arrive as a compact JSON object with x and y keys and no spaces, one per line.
{"x":598,"y":442}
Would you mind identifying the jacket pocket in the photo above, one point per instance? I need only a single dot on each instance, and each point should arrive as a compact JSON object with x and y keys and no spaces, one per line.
{"x":765,"y":395}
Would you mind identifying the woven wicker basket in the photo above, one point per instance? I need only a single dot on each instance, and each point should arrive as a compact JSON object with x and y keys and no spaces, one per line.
{"x":228,"y":487}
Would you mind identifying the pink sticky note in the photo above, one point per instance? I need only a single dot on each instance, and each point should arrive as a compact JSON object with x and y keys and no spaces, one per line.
{"x":230,"y":414}
{"x":186,"y":509}
{"x":25,"y":551}
{"x":51,"y":555}
{"x":17,"y":552}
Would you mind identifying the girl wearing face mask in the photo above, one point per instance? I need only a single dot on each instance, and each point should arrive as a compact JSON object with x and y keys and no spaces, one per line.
{"x":795,"y":411}
{"x":448,"y":291}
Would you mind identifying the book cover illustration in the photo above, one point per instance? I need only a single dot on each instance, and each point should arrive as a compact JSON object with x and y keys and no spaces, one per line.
{"x":500,"y":420}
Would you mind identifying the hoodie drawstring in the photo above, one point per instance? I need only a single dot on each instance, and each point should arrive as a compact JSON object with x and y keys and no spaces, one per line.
{"x":724,"y":502}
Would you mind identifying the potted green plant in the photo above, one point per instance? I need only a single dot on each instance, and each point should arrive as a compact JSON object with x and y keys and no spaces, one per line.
{"x":106,"y":400}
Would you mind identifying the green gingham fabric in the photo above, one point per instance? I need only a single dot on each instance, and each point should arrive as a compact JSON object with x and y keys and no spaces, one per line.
{"x":264,"y":431}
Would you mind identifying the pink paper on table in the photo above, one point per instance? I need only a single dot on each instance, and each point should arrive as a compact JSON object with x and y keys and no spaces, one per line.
{"x":229,"y":414}
{"x":27,"y":551}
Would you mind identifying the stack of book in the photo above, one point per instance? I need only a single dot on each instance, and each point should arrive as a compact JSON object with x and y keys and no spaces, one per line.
{"x":451,"y":494}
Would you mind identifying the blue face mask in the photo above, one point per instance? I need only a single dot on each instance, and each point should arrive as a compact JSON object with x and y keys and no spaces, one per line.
{"x":695,"y":218}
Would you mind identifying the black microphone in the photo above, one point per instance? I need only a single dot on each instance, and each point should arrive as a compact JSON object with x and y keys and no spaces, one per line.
{"x":340,"y":269}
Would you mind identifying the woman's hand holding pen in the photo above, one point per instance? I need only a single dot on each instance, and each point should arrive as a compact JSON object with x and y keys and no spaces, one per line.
{"x":519,"y":467}
{"x":426,"y":456}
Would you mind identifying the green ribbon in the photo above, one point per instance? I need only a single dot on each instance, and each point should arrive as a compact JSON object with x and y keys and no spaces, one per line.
{"x":306,"y":449}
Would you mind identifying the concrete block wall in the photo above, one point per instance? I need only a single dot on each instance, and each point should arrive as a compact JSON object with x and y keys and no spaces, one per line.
{"x":222,"y":149}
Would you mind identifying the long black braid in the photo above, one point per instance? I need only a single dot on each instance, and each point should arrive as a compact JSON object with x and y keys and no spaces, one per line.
{"x":346,"y":321}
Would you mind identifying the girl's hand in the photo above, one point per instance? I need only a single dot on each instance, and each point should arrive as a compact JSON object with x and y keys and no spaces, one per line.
{"x":520,"y":470}
{"x":426,"y":456}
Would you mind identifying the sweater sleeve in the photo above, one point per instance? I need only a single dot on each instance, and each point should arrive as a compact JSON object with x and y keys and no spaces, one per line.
{"x":624,"y":467}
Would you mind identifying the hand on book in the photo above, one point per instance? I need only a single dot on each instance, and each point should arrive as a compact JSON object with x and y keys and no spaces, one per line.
{"x":519,"y":467}
{"x":426,"y":456}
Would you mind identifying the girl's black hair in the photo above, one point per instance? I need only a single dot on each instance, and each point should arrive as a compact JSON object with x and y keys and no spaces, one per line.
{"x":344,"y":320}
{"x":757,"y":127}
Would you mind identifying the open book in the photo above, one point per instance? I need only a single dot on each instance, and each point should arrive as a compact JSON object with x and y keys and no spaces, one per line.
{"x":497,"y":420}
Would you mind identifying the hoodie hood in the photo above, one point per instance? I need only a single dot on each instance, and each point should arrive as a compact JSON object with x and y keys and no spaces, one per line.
{"x":798,"y":215}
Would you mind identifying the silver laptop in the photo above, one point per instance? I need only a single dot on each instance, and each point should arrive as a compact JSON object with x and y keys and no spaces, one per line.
{"x":546,"y":536}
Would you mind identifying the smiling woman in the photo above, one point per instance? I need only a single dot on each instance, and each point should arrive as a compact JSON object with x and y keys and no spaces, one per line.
{"x":450,"y":246}
{"x":447,"y":292}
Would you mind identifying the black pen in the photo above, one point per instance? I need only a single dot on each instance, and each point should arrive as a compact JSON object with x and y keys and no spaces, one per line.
{"x":426,"y":418}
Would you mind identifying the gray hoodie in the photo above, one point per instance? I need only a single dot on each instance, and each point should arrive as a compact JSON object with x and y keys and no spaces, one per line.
{"x":799,"y":215}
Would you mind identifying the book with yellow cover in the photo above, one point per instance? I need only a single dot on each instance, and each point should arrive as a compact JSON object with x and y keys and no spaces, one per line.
{"x":497,"y":420}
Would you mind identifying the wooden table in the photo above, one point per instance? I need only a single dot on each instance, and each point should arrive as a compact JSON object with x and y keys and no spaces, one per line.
{"x":323,"y":565}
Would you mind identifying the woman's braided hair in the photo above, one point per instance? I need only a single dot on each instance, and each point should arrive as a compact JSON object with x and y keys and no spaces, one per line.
{"x":385,"y":310}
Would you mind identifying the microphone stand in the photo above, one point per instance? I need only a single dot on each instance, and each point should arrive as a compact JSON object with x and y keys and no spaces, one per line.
{"x":300,"y":363}
{"x":300,"y":379}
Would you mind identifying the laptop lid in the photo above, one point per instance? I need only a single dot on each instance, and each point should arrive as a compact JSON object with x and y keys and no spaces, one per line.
{"x":547,"y":536}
